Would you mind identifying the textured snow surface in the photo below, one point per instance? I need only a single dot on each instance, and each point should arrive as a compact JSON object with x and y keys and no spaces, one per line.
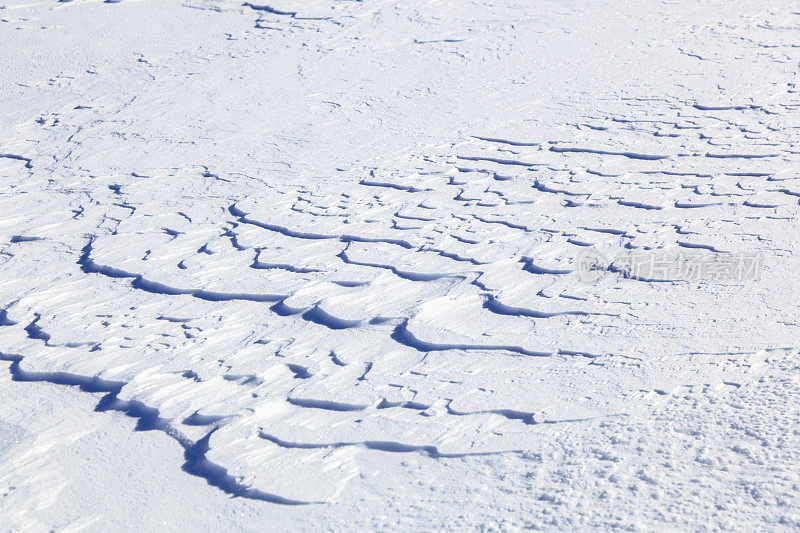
{"x":322,"y":253}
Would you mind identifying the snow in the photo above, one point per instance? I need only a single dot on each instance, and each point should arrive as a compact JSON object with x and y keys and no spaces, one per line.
{"x":311,"y":265}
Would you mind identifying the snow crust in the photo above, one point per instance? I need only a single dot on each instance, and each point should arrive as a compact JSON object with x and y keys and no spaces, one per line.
{"x":326,"y":250}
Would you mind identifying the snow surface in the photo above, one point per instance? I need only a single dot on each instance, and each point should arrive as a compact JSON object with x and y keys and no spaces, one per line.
{"x":318,"y":256}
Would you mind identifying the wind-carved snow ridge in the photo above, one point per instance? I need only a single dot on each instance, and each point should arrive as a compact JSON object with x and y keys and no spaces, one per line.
{"x":347,"y":261}
{"x":148,"y":419}
{"x":28,"y":161}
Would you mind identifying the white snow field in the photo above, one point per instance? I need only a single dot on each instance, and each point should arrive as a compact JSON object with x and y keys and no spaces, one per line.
{"x":310,"y":265}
